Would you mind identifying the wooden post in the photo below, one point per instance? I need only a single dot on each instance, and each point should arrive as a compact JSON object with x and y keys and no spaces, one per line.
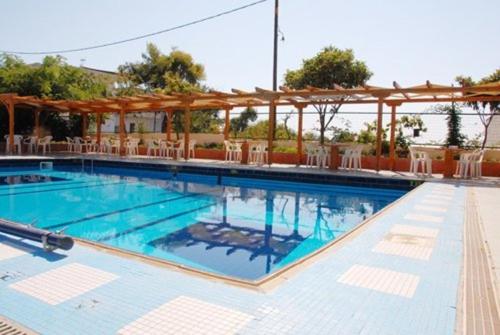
{"x":10,"y":107}
{"x":334,"y":157}
{"x":122,"y":129}
{"x":98,"y":127}
{"x":299,"y":134}
{"x":270,"y":133}
{"x":245,"y":152}
{"x":170,"y":114}
{"x":226,"y":124}
{"x":379,"y":132}
{"x":187,"y":130}
{"x":448,"y":163}
{"x":37,"y":122}
{"x":392,"y":145}
{"x":84,"y":124}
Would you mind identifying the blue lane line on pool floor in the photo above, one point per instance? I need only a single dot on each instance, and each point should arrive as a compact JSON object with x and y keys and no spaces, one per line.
{"x":155,"y":222}
{"x":61,"y":189}
{"x":39,"y":185}
{"x":119,"y":211}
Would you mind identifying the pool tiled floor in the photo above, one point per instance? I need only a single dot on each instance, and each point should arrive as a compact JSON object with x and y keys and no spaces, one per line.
{"x":7,"y":252}
{"x":63,"y":283}
{"x":185,"y":315}
{"x":349,"y":289}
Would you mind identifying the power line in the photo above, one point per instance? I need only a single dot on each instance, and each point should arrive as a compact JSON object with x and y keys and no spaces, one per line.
{"x":191,"y":23}
{"x":293,"y":112}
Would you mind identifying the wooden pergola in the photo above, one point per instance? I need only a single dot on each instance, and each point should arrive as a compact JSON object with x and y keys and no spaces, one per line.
{"x":393,"y":97}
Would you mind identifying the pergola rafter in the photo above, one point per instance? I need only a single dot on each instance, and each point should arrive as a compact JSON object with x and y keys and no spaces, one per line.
{"x":187,"y":102}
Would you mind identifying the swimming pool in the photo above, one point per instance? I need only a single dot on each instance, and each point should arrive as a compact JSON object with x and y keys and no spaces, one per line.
{"x":242,"y":228}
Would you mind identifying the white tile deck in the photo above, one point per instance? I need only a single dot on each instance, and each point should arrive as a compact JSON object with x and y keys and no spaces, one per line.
{"x":414,"y":230}
{"x":8,"y":252}
{"x":185,"y":315}
{"x":436,"y":209}
{"x":435,"y":202}
{"x":443,"y":191}
{"x":404,"y":250}
{"x":438,"y":197}
{"x":408,"y":241}
{"x":382,"y":280}
{"x":423,"y":218}
{"x":63,"y":283}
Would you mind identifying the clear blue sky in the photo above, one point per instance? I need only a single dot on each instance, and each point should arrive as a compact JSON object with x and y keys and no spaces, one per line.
{"x":406,"y":41}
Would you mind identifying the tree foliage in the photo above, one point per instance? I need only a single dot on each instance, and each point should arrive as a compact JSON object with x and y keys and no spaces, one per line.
{"x":454,"y":136}
{"x":402,"y":140}
{"x":260,"y":130}
{"x":53,"y":79}
{"x":176,"y":72}
{"x":330,"y":67}
{"x":241,"y":122}
{"x":486,"y":110}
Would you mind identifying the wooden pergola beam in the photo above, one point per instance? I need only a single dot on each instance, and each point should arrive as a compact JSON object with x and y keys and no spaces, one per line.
{"x":398,"y":87}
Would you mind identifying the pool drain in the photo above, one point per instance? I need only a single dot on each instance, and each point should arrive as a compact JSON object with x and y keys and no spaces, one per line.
{"x":8,"y":327}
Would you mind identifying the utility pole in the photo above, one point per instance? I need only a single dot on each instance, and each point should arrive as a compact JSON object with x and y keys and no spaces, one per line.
{"x":275,"y":60}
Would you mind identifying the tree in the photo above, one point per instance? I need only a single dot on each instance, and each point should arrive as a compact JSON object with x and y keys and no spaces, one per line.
{"x":260,"y":130}
{"x":241,"y":122}
{"x":486,"y":110}
{"x":454,"y":136}
{"x":286,"y":118}
{"x":53,"y":79}
{"x":330,"y":67}
{"x":176,"y":72}
{"x":342,"y":133}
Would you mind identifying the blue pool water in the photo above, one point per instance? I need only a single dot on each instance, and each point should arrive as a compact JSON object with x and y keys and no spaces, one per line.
{"x":243,"y":228}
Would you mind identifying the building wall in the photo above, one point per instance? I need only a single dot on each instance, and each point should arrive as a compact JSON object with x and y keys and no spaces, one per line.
{"x":133,"y":122}
{"x":494,"y":132}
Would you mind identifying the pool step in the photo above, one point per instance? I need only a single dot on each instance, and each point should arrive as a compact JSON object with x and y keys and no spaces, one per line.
{"x":9,"y":327}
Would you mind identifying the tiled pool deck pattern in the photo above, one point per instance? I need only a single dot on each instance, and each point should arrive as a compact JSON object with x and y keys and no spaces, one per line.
{"x":407,"y":287}
{"x":480,"y":307}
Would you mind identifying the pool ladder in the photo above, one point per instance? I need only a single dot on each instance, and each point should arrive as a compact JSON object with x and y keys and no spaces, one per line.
{"x":91,"y":165}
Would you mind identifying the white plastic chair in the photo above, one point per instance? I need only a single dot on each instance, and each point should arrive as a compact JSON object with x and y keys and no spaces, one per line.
{"x":166,"y":148}
{"x":311,"y":154}
{"x":237,"y":151}
{"x":426,"y":163}
{"x":70,"y":144}
{"x":17,"y":143}
{"x":31,"y":142}
{"x":78,"y":144}
{"x":44,"y":143}
{"x":258,"y":153}
{"x":104,"y":146}
{"x":352,"y":157}
{"x":178,"y":149}
{"x":464,"y":164}
{"x":414,"y":161}
{"x":346,"y":158}
{"x":192,"y":144}
{"x":132,"y":146}
{"x":152,"y":148}
{"x":228,"y":151}
{"x":476,"y":164}
{"x":91,"y":145}
{"x":115,"y":146}
{"x":322,"y":156}
{"x":420,"y":159}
